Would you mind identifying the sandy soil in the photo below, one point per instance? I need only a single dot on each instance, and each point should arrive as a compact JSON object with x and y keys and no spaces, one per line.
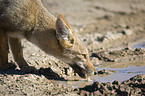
{"x":109,"y":28}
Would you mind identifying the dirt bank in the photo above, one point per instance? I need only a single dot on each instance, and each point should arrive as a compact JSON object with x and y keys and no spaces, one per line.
{"x":135,"y":86}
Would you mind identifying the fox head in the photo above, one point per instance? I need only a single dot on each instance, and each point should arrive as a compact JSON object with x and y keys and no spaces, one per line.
{"x":74,"y":51}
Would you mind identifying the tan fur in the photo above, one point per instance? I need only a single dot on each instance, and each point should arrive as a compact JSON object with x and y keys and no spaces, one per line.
{"x":29,"y":19}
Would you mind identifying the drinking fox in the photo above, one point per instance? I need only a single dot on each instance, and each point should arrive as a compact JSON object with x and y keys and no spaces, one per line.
{"x":29,"y":19}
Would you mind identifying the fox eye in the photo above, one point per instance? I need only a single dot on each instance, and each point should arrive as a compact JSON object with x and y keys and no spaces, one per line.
{"x":84,"y":55}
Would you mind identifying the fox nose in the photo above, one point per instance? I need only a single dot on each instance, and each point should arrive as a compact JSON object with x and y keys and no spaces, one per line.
{"x":90,"y":70}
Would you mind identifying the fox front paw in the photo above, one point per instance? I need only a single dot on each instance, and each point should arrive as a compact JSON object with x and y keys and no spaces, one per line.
{"x":9,"y":66}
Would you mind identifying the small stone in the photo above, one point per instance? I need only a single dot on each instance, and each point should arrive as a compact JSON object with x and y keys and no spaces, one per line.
{"x":127,"y":32}
{"x":138,"y":49}
{"x":116,"y":82}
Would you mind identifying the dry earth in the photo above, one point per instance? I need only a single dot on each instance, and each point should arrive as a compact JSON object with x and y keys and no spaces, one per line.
{"x":109,"y":28}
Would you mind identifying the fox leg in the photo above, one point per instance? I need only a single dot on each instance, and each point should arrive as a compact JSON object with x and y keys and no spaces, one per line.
{"x":4,"y":65}
{"x":16,"y":48}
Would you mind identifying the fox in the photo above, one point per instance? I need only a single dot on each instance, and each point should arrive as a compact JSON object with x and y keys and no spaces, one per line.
{"x":30,"y":20}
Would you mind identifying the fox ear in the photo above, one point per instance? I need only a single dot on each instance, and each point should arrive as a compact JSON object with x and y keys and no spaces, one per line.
{"x":64,"y":32}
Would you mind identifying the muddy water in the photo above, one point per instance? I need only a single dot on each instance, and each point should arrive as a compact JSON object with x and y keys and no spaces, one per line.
{"x":139,"y":45}
{"x":120,"y":71}
{"x":122,"y":74}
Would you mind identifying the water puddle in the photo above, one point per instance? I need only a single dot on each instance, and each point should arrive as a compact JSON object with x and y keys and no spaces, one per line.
{"x":139,"y":45}
{"x":122,"y":74}
{"x":120,"y":71}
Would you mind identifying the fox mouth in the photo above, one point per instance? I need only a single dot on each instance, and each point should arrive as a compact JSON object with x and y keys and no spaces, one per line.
{"x":79,"y":70}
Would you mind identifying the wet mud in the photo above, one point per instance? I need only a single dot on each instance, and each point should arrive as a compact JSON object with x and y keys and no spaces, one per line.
{"x":135,"y":86}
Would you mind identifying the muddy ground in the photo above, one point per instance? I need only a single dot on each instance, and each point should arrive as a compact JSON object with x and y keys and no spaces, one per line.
{"x":109,"y":28}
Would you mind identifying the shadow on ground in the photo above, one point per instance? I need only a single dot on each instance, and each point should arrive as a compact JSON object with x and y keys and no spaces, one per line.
{"x":46,"y":72}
